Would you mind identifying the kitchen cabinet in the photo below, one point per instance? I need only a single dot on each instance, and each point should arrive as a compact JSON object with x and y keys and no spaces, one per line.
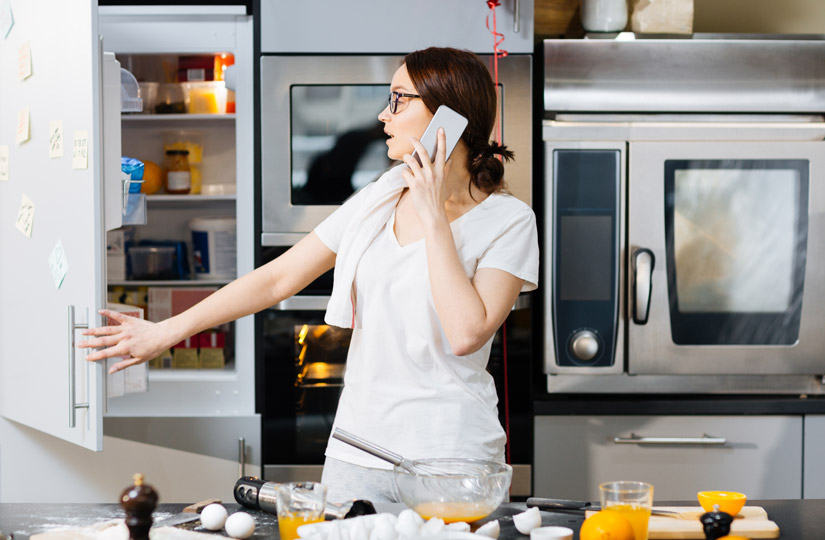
{"x":813,"y":482}
{"x":393,"y":26}
{"x":40,"y":369}
{"x":760,"y":455}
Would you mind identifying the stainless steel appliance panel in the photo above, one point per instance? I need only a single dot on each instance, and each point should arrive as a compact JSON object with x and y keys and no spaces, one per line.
{"x":549,"y":274}
{"x":652,"y":347}
{"x":684,"y":75}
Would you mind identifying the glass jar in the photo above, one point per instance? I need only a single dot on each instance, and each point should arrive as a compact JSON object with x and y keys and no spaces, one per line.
{"x":178,"y":173}
{"x":604,"y":15}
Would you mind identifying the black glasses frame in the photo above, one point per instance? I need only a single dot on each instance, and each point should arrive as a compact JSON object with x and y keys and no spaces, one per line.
{"x":395,"y":96}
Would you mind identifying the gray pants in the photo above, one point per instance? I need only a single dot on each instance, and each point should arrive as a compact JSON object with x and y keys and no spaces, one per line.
{"x":346,"y":482}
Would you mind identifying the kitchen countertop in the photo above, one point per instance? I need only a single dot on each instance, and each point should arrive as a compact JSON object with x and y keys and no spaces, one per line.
{"x":797,"y":519}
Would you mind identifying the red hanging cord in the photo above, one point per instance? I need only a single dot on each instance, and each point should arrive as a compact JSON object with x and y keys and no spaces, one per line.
{"x":500,"y":53}
{"x":497,"y":53}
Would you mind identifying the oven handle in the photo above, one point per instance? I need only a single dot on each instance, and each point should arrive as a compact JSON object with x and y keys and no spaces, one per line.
{"x":300,"y":302}
{"x":704,"y":440}
{"x":643,"y":263}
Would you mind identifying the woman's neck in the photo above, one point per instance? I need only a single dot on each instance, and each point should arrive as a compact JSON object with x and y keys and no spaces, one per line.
{"x":460,"y":189}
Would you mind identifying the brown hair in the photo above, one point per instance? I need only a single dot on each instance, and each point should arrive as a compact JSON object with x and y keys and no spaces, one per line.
{"x":457,"y":79}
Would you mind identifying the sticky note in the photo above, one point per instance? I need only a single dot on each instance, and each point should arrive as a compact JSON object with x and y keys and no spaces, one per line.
{"x":25,"y":217}
{"x":80,"y":150}
{"x":6,"y":18}
{"x":24,"y":61}
{"x":4,"y":162}
{"x":22,"y":125}
{"x":58,"y":264}
{"x":56,"y":139}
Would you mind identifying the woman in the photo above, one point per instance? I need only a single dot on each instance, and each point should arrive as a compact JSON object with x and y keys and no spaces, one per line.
{"x":429,"y":260}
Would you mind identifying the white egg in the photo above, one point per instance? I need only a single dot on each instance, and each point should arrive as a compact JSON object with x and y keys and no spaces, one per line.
{"x":383,"y":530}
{"x":213,"y":517}
{"x":432,"y":527}
{"x":461,"y":526}
{"x":408,"y":524}
{"x":490,"y":529}
{"x":240,"y":525}
{"x":527,"y":521}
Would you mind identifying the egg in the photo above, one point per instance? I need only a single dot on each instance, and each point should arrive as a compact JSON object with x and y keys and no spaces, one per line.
{"x":213,"y":517}
{"x":432,"y":527}
{"x":240,"y":525}
{"x":460,"y":526}
{"x":490,"y":529}
{"x":527,"y":521}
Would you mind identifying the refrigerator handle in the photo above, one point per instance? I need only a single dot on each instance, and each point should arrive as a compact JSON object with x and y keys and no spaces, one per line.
{"x":643,"y":263}
{"x":73,"y":405}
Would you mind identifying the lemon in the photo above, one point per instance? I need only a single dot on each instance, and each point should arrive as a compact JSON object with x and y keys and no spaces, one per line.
{"x":606,"y":526}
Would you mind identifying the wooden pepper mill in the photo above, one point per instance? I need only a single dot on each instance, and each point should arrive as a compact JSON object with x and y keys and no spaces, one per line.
{"x":139,"y":501}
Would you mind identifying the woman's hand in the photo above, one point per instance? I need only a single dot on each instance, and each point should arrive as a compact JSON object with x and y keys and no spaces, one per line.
{"x":135,"y":339}
{"x":428,"y":188}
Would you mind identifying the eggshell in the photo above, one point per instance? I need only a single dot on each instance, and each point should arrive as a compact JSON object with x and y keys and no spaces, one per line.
{"x":240,"y":525}
{"x":409,"y":523}
{"x":432,"y":527}
{"x":358,"y":530}
{"x":490,"y":529}
{"x":460,"y":526}
{"x":527,"y":521}
{"x":213,"y":517}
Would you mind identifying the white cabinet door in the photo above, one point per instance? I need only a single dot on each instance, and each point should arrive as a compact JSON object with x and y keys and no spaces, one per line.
{"x":35,"y":341}
{"x":761,"y":455}
{"x":392,"y":26}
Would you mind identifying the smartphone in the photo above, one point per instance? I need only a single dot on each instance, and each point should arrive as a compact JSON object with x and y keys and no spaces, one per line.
{"x":453,"y":124}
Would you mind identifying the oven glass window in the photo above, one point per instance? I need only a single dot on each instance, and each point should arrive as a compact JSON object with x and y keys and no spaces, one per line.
{"x":337,"y":142}
{"x":737,"y":235}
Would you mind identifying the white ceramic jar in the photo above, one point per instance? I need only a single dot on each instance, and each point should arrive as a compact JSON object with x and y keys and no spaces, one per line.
{"x":604,"y":15}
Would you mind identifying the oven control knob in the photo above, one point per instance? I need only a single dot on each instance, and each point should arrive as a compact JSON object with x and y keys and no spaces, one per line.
{"x":584,"y":344}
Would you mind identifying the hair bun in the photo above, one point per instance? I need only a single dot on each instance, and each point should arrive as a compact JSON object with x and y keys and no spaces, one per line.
{"x":487,"y":170}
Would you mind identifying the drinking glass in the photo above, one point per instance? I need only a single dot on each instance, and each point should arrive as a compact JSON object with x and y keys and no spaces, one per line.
{"x":299,"y":503}
{"x":634,"y":500}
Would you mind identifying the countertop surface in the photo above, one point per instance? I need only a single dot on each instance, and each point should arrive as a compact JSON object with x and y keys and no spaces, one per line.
{"x":797,"y":519}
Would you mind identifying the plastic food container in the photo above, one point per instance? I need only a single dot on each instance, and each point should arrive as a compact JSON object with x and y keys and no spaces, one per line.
{"x":214,"y":247}
{"x":152,"y":262}
{"x":170,"y":99}
{"x":205,"y":97}
{"x":149,"y":95}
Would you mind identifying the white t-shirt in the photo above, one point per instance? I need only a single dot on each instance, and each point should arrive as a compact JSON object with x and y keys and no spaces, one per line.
{"x":404,"y":389}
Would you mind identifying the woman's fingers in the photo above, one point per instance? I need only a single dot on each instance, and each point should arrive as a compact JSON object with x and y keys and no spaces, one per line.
{"x":123,"y":364}
{"x":117,"y":350}
{"x":101,"y":331}
{"x":440,"y":149}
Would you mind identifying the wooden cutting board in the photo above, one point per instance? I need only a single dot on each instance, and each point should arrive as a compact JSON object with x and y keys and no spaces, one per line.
{"x":751,"y":522}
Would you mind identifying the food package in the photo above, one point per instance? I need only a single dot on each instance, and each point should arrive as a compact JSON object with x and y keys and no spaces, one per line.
{"x":211,"y":353}
{"x":662,"y":17}
{"x":185,"y":354}
{"x":191,"y":140}
{"x":134,"y":378}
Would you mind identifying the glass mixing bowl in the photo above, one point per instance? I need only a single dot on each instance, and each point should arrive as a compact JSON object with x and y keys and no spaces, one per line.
{"x":454,"y":489}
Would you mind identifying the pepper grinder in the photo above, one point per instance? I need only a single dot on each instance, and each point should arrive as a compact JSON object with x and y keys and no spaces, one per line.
{"x":716,"y":524}
{"x":139,"y":501}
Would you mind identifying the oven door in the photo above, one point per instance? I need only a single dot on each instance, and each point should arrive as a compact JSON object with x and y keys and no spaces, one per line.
{"x":726,"y":250}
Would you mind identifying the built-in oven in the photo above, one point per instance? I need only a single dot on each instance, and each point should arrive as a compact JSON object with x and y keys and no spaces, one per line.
{"x":321,"y":138}
{"x":684,"y":218}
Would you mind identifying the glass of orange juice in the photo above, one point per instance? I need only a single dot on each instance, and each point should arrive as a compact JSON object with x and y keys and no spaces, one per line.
{"x":634,"y":500}
{"x":299,"y":503}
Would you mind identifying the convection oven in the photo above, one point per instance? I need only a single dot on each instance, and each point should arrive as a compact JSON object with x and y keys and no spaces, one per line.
{"x":684,"y":219}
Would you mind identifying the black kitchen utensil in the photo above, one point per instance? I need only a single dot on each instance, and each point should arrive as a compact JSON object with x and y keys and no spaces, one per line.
{"x":568,"y":505}
{"x":253,"y":492}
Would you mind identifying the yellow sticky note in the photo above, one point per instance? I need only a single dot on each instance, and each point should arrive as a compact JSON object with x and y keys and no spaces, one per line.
{"x":80,"y":150}
{"x":56,"y":139}
{"x":4,"y":162}
{"x":25,"y":217}
{"x":24,"y":61}
{"x":22,"y":125}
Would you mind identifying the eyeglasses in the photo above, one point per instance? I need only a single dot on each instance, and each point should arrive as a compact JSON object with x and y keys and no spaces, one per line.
{"x":395,"y":96}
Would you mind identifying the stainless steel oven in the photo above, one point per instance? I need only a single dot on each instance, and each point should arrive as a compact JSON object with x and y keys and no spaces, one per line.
{"x":684,"y":217}
{"x":321,"y":138}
